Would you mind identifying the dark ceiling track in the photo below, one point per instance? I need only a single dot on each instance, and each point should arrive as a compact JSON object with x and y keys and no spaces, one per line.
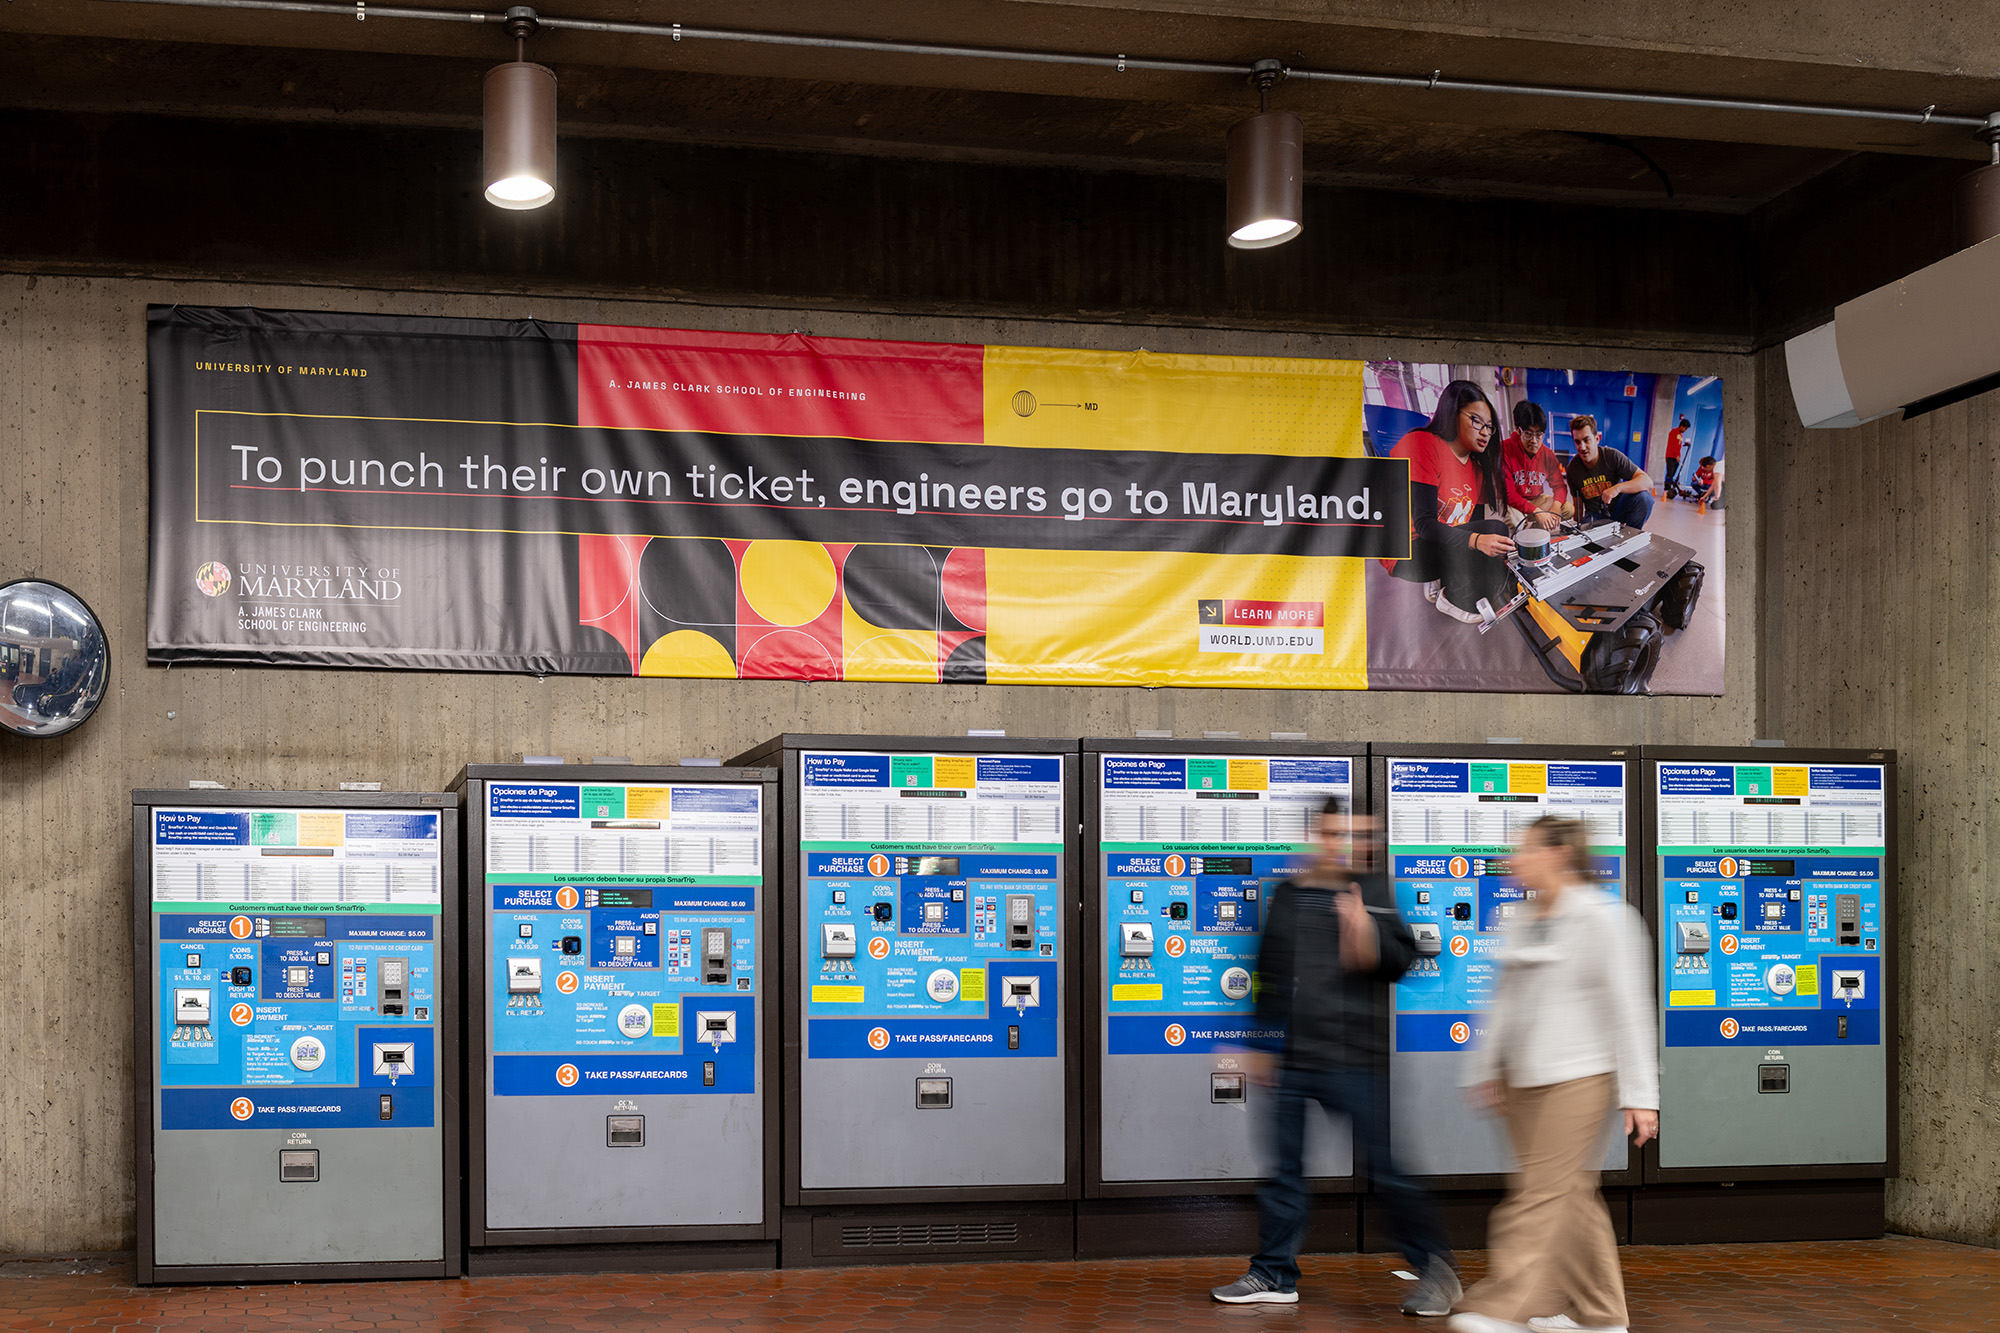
{"x":1434,"y":82}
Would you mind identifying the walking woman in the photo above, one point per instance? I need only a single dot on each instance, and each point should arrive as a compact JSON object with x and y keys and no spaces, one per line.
{"x":1571,"y":1038}
{"x":1459,"y":540}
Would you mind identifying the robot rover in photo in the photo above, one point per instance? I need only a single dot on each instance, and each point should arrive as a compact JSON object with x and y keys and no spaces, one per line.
{"x":1598,"y":601}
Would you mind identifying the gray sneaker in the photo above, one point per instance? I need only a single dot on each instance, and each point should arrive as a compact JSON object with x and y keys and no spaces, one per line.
{"x":1252,"y":1287}
{"x":1437,"y":1290}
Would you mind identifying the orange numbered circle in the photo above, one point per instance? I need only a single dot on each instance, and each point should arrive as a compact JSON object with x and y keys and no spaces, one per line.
{"x":878,"y":947}
{"x":1727,"y":867}
{"x":1729,"y":1028}
{"x":1459,"y":867}
{"x":1729,"y":944}
{"x":240,"y":1015}
{"x":567,"y":1075}
{"x":566,"y":897}
{"x":1176,"y":867}
{"x":1461,"y":1033}
{"x":1460,"y":946}
{"x":878,"y":1038}
{"x":878,"y":865}
{"x":240,"y":927}
{"x":242,"y":1108}
{"x":567,"y":982}
{"x":1176,"y":1034}
{"x":1176,"y":946}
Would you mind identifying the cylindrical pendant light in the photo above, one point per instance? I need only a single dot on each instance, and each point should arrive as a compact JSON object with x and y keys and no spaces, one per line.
{"x":520,"y":157}
{"x":1266,"y":180}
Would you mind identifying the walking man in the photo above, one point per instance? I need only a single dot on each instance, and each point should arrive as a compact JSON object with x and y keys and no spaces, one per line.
{"x":1333,"y":943}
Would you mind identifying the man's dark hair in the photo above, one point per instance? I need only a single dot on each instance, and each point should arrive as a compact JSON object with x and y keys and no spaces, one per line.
{"x":1707,"y":460}
{"x":1528,"y":415}
{"x":1684,"y":421}
{"x":1333,"y":805}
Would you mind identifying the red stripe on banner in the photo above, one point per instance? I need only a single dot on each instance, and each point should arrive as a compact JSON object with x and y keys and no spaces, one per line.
{"x":764,"y":384}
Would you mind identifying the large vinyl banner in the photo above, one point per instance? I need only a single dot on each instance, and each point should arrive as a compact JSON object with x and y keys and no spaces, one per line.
{"x":374,"y":491}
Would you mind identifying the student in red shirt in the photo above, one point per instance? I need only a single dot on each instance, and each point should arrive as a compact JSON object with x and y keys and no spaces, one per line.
{"x":1706,"y":485}
{"x":1676,"y":447}
{"x":1536,"y":490}
{"x":1457,"y":552}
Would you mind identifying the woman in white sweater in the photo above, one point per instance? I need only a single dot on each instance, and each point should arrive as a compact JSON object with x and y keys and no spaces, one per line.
{"x":1570,"y":1038}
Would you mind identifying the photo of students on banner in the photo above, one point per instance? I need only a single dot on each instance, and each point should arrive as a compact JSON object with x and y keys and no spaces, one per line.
{"x":424,"y":493}
{"x":1533,"y":508}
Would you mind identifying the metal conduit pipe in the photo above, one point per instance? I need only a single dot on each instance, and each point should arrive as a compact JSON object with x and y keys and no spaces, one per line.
{"x":1435,"y":82}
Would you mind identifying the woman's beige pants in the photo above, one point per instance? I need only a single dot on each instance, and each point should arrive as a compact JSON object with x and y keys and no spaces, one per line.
{"x":1550,"y":1242}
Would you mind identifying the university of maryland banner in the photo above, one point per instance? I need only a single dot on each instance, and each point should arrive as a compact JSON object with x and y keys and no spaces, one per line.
{"x":397,"y":492}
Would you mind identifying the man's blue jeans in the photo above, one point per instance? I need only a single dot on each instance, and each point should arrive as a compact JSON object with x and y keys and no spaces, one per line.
{"x":1633,"y":509}
{"x":1283,"y":1206}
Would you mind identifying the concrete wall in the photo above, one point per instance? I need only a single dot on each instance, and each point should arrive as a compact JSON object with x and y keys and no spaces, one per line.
{"x":1880,"y":572}
{"x":73,"y":508}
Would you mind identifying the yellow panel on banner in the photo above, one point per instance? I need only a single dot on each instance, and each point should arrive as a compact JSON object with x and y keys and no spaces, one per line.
{"x":1048,"y":397}
{"x":1126,"y":618}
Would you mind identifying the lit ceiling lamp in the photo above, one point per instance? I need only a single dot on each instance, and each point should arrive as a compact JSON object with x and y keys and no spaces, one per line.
{"x":1266,"y":170}
{"x":520,"y":159}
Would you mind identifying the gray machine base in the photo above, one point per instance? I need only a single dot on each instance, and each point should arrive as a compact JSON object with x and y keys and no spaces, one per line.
{"x":1713,"y":1116}
{"x":1004,"y":1126}
{"x":548,"y":1167}
{"x":1434,"y":1132}
{"x":379,"y":1199}
{"x":1159,"y":1123}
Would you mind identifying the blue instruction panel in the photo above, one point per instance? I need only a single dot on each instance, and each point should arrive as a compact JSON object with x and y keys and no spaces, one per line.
{"x":622,"y":937}
{"x":1771,"y":903}
{"x":1191,"y":847}
{"x":933,"y":903}
{"x":296,"y":967}
{"x":1452,"y":825}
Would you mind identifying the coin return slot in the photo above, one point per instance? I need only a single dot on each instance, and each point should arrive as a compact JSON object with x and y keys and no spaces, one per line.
{"x":933,"y":1094}
{"x":624,"y":1131}
{"x":298,"y":1166}
{"x":1774,"y":1078}
{"x":1226,"y":1089}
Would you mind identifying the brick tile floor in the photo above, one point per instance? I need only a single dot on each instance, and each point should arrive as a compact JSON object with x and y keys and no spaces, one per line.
{"x":1896,"y":1283}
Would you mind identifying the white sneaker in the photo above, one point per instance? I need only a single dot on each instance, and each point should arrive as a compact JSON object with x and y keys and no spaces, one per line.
{"x":1432,"y":589}
{"x":1444,"y":605}
{"x":1562,"y":1323}
{"x":1483,"y":1323}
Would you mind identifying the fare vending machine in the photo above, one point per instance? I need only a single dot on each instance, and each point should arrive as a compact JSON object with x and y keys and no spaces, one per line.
{"x":1453,"y":815}
{"x":1184,"y":842}
{"x":295,"y":1010}
{"x":620,"y":1054}
{"x":1775,"y":925}
{"x":930,"y":1045}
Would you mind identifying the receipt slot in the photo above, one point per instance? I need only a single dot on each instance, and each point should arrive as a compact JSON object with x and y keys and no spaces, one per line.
{"x":930,"y":1043}
{"x":1453,"y":815}
{"x":621,"y":1058}
{"x":1184,"y":843}
{"x":1773,"y":875}
{"x":296,"y":1027}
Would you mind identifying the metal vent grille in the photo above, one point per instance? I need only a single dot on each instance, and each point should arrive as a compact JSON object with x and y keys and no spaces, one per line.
{"x":931,"y":1235}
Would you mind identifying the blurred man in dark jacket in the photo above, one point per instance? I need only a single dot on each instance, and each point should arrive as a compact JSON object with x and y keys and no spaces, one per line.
{"x":1333,"y":943}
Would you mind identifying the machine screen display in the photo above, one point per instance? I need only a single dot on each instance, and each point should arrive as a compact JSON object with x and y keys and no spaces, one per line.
{"x":1771,"y":903}
{"x":1187,"y":879}
{"x":623,"y":937}
{"x":1452,"y":824}
{"x":292,"y":946}
{"x":932,"y":904}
